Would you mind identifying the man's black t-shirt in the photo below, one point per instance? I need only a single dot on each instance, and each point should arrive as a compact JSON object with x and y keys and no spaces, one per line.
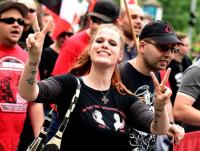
{"x":142,"y":86}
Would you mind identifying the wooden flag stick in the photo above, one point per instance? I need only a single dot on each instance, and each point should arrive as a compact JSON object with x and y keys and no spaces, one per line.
{"x":132,"y":27}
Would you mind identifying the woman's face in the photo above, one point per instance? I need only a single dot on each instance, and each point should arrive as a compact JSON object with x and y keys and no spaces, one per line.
{"x":106,"y":47}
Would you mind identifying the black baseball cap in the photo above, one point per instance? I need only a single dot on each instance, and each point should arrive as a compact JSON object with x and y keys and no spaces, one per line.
{"x":161,"y":32}
{"x":106,"y":11}
{"x":65,"y":33}
{"x":7,"y":4}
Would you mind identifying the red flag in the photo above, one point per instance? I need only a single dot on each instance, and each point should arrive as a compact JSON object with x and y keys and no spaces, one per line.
{"x":68,"y":10}
{"x":60,"y":24}
{"x":91,"y":5}
{"x":128,"y":2}
{"x":132,"y":2}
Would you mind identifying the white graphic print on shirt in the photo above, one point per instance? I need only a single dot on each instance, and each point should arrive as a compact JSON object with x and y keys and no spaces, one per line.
{"x":10,"y":72}
{"x":141,"y":141}
{"x":98,"y":117}
{"x":118,"y":124}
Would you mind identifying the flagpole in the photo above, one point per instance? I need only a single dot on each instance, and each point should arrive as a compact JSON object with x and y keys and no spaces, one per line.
{"x":132,"y":27}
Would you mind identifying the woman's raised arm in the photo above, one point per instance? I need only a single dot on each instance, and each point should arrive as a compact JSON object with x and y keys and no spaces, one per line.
{"x":28,"y":87}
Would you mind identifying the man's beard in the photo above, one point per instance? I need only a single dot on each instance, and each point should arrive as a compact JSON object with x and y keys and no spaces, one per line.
{"x":127,"y":31}
{"x":93,"y":30}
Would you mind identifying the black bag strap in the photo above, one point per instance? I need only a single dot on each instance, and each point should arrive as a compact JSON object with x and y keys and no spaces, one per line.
{"x":39,"y":142}
{"x":65,"y":121}
{"x":46,"y":125}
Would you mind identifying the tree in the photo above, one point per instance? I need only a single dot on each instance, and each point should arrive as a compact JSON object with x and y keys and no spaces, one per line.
{"x":177,"y":13}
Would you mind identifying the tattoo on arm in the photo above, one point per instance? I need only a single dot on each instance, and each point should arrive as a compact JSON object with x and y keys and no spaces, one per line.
{"x":157,"y":116}
{"x":33,"y":73}
{"x":33,"y":64}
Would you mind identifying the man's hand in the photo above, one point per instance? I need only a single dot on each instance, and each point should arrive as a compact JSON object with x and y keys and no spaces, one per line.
{"x":162,"y":93}
{"x":176,"y":132}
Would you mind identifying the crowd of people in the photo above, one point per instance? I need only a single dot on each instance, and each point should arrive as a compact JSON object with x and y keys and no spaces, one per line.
{"x":134,"y":94}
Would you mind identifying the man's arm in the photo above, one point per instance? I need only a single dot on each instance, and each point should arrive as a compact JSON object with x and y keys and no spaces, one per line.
{"x":188,"y":94}
{"x":184,"y":111}
{"x":160,"y":123}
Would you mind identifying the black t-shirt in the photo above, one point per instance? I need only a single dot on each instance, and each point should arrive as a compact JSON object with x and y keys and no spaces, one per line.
{"x":176,"y":74}
{"x":94,"y":123}
{"x":133,"y":80}
{"x":186,"y":62}
{"x":48,"y":59}
{"x":141,"y":85}
{"x":129,"y":53}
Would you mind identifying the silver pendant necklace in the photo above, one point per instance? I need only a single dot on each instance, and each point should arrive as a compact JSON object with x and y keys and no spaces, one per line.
{"x":105,"y":99}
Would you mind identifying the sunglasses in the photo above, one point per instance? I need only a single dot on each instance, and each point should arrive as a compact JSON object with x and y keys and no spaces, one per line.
{"x":163,"y":48}
{"x":97,"y":20}
{"x":11,"y":20}
{"x":31,"y":10}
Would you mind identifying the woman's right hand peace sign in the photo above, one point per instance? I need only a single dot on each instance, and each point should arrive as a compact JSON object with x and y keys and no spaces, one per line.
{"x":35,"y":41}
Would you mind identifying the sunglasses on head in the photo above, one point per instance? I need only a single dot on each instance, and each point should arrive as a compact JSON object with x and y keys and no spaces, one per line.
{"x":97,"y":20}
{"x":163,"y":48}
{"x":11,"y":20}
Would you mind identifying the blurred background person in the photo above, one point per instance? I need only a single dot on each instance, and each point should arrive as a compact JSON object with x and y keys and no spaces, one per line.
{"x":50,"y":54}
{"x":137,"y":17}
{"x":46,"y":17}
{"x":187,"y":101}
{"x":31,"y":25}
{"x":13,"y":108}
{"x":196,"y":58}
{"x":179,"y":63}
{"x":28,"y":27}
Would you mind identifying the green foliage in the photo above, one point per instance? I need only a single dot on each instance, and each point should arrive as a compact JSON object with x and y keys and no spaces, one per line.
{"x":177,"y":12}
{"x":117,"y":2}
